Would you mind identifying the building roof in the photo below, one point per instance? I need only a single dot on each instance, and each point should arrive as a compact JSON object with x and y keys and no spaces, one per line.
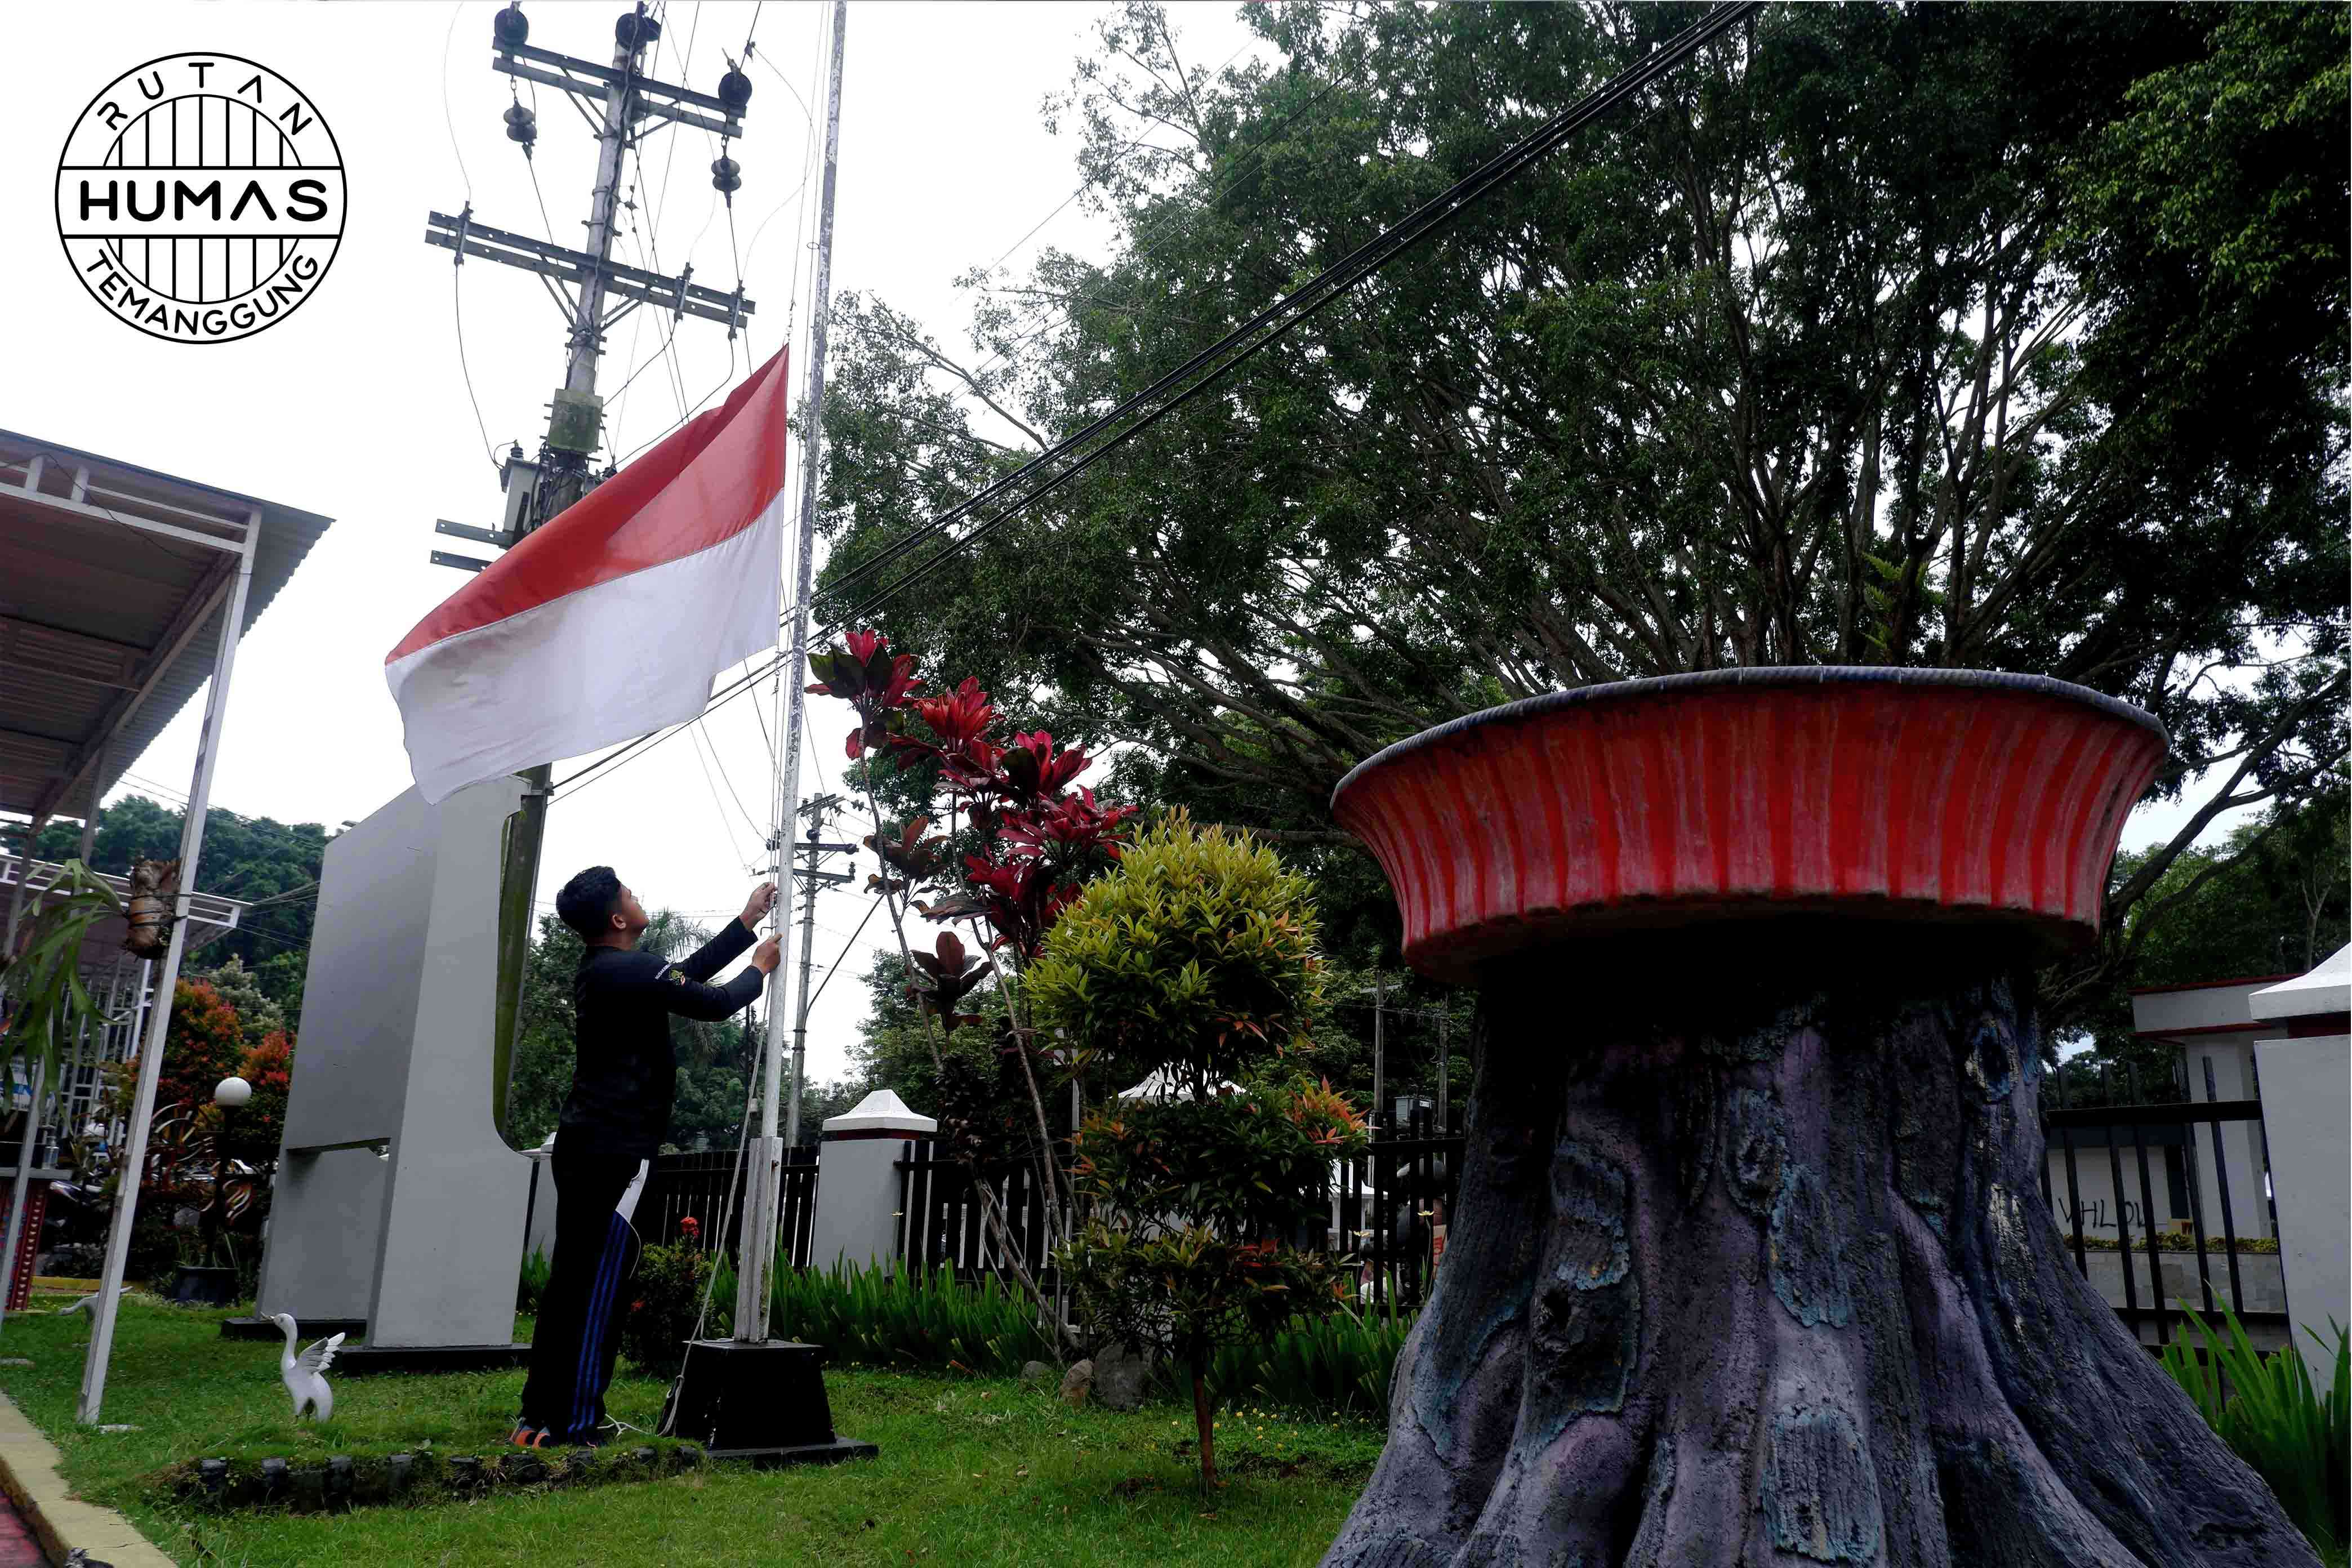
{"x":2327,"y":989}
{"x":112,"y":577}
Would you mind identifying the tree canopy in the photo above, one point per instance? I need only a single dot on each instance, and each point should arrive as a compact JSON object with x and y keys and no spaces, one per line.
{"x":2008,"y":337}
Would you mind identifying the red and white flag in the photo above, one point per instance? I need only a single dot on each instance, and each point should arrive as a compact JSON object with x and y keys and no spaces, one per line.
{"x":613,"y":619}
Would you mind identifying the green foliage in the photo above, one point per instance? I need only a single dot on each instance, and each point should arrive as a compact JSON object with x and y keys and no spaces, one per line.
{"x":532,"y":1283}
{"x":48,"y":1003}
{"x":1254,"y":1164}
{"x":1337,"y":1363}
{"x":1979,"y":336}
{"x":1187,"y":1290}
{"x":241,"y":988}
{"x":913,"y":1319}
{"x":1196,"y":956}
{"x":666,"y":1304}
{"x":2291,"y":1435}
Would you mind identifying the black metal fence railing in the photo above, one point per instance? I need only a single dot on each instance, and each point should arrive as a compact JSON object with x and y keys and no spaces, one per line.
{"x":701,"y":1187}
{"x":940,"y":1223}
{"x":1387,"y":1208}
{"x":2167,"y":1203}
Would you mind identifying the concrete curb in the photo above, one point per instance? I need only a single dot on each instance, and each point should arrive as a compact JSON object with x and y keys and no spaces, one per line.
{"x":29,"y":1474}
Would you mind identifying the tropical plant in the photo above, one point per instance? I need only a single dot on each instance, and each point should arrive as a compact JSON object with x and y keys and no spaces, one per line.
{"x":2291,"y":1435}
{"x":1029,"y":835}
{"x":47,"y":1004}
{"x":1198,"y":956}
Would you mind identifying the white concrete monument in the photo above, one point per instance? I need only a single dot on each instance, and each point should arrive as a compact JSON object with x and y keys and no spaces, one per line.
{"x":397,"y":1202}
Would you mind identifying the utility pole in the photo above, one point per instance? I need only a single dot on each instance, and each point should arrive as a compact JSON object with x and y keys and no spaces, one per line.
{"x":623,"y":106}
{"x":765,"y":1170}
{"x":813,"y":851}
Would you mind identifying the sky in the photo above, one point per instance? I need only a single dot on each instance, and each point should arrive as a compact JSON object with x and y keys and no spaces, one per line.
{"x":358,"y":406}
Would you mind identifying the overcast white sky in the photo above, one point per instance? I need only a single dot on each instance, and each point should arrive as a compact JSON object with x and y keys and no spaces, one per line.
{"x":355,"y":407}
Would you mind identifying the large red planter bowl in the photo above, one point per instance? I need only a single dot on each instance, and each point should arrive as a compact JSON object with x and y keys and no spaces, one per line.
{"x":1897,"y":793}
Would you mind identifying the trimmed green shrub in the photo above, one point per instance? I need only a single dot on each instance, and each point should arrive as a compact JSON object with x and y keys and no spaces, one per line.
{"x":1197,"y":956}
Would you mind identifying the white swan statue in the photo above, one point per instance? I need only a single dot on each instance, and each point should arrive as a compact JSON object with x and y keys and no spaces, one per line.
{"x":301,"y":1374}
{"x":89,"y":1303}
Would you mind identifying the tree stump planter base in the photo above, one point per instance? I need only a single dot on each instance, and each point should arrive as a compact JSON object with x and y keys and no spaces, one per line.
{"x":1751,"y":1262}
{"x":1765,"y":1274}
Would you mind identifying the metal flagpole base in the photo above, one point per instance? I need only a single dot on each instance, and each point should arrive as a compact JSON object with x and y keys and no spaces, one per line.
{"x":764,"y":1403}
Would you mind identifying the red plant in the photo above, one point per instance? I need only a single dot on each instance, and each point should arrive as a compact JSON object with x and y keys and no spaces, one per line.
{"x":1039,"y":837}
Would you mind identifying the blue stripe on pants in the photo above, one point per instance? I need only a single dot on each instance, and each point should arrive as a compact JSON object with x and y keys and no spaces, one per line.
{"x":584,"y":1392}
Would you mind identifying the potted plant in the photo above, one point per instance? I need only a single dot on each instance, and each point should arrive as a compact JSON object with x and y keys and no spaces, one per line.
{"x":1751,"y":1260}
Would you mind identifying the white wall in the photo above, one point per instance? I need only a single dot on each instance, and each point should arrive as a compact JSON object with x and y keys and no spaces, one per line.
{"x":2306,"y":1088}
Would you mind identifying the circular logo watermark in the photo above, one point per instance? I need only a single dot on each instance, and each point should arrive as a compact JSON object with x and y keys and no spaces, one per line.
{"x":201,"y":198}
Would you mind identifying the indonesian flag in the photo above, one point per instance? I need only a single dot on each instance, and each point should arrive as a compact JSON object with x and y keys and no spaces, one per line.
{"x":612,"y":618}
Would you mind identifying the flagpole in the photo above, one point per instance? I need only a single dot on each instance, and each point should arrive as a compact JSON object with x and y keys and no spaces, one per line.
{"x":762,"y":1218}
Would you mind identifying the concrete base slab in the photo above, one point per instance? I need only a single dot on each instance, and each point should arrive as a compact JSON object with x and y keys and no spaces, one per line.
{"x":357,"y":1361}
{"x":63,"y":1524}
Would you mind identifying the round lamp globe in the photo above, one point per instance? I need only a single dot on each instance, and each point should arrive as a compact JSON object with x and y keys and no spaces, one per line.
{"x":231,"y":1092}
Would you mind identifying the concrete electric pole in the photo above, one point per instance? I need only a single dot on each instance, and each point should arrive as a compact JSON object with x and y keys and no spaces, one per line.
{"x":623,"y":106}
{"x":812,"y":878}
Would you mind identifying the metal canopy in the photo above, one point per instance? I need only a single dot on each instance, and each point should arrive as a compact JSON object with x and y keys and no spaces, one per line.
{"x":112,"y":579}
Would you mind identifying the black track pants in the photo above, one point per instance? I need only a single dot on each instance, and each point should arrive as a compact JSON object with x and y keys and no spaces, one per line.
{"x":578,"y":1334}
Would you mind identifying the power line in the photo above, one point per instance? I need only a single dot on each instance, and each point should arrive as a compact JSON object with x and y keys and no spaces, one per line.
{"x":458,"y":310}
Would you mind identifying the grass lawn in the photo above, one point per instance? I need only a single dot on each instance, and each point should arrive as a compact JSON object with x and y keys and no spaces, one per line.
{"x":971,"y":1470}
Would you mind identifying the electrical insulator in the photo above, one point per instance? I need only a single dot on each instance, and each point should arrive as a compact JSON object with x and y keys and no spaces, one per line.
{"x":635,"y":31}
{"x":735,"y":90}
{"x":510,"y":27}
{"x":726,"y":176}
{"x":522,"y":126}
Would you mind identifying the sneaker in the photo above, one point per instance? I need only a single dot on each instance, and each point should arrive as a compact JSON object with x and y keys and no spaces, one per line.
{"x":527,"y":1436}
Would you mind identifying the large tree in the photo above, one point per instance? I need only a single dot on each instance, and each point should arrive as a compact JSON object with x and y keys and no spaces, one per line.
{"x":1982,"y":336}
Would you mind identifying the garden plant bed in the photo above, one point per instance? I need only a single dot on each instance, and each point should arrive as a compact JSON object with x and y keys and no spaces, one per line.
{"x":978,"y":1470}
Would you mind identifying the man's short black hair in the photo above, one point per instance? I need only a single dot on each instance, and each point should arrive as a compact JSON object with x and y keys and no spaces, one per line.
{"x":587,"y":901}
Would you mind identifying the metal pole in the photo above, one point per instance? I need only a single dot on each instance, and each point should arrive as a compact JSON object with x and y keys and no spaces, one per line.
{"x":159,"y":1016}
{"x":97,"y":783}
{"x":1445,"y":1074}
{"x":801,"y":1012}
{"x":519,"y":877}
{"x":756,"y":1257}
{"x":1380,"y":1044}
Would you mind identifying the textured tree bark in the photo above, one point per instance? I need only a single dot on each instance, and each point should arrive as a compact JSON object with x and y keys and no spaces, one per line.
{"x":1752,"y":1265}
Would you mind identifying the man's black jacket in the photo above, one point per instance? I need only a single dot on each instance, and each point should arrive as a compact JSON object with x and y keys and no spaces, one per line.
{"x":627,"y":1077}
